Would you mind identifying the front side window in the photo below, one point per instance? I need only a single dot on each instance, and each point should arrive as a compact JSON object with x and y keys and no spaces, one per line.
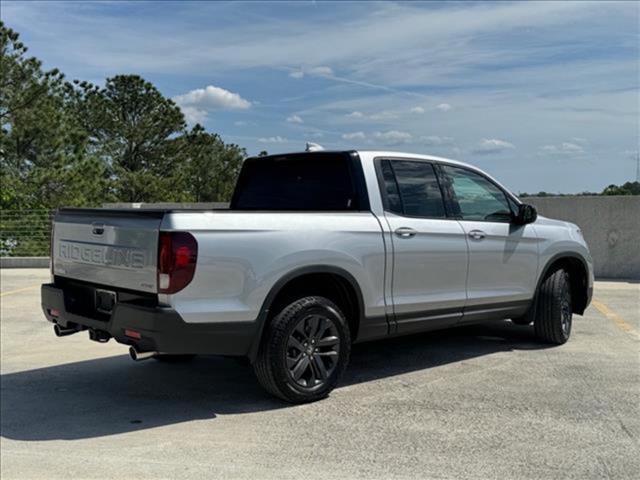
{"x":474,"y":196}
{"x":412,"y":189}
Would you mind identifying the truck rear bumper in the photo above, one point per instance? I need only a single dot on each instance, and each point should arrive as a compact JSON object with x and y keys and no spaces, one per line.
{"x":161,"y":329}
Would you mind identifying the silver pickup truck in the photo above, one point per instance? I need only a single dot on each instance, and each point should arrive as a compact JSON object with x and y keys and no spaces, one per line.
{"x":318,"y":250}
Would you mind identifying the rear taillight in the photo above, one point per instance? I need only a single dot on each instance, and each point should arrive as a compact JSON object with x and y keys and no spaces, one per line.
{"x":177,"y":255}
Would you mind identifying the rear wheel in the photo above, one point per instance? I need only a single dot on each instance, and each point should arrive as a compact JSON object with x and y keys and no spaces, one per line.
{"x":305,"y":351}
{"x":553,"y":309}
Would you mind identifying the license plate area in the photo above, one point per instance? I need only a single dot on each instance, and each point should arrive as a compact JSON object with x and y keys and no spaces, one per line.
{"x":105,"y":301}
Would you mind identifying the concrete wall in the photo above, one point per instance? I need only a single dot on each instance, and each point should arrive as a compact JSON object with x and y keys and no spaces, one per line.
{"x":24,"y":262}
{"x":611,"y":226}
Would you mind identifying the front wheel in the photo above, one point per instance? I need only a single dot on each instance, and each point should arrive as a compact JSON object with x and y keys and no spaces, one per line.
{"x":554,"y":312}
{"x":305,"y":350}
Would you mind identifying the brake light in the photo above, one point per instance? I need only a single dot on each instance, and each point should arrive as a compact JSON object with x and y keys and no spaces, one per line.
{"x":177,"y":255}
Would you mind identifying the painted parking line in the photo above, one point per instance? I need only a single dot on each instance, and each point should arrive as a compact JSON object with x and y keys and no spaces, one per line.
{"x":620,"y":322}
{"x":18,"y":290}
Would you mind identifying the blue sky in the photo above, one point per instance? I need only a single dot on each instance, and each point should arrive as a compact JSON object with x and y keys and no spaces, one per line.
{"x":543,"y":95}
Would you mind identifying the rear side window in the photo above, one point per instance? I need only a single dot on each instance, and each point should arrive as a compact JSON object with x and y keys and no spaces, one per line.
{"x":394,"y":204}
{"x":412,"y":189}
{"x":317,"y":181}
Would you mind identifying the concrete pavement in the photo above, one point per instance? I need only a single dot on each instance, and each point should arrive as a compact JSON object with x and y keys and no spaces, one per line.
{"x":478,"y":402}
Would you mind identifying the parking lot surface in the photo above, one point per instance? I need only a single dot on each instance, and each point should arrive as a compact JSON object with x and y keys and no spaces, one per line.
{"x":476,"y":402}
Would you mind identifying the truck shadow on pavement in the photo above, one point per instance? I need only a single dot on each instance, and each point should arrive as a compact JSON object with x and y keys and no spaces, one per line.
{"x":110,"y":396}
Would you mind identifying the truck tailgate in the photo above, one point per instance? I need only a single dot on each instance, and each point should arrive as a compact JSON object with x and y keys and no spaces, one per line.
{"x":109,"y":247}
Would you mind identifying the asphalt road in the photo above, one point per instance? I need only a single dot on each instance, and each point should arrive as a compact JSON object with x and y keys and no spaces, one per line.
{"x":481,"y":402}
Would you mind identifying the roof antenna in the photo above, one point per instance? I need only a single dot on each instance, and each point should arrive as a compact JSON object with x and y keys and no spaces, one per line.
{"x":313,"y":147}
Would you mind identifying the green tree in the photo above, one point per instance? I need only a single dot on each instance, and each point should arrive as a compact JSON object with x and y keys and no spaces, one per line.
{"x":131,"y":127}
{"x":209,"y":167}
{"x":42,"y":145}
{"x":629,"y":188}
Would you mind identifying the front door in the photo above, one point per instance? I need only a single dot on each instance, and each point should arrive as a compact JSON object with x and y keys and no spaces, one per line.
{"x":503,"y":256}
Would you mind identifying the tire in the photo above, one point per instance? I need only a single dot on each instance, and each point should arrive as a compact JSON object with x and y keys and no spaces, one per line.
{"x":304,"y":351}
{"x":168,"y":358}
{"x":553,"y":309}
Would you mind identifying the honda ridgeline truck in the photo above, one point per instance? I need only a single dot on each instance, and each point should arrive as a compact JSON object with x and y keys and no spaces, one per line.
{"x":317,"y":251}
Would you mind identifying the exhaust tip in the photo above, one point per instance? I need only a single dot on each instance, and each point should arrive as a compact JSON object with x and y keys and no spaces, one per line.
{"x":63,"y":331}
{"x":138,"y":356}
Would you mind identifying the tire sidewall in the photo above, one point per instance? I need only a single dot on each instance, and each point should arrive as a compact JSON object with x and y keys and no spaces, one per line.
{"x":313,"y":305}
{"x":548,"y":317}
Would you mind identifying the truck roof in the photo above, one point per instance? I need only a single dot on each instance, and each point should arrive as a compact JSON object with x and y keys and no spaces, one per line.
{"x":371,"y":154}
{"x":416,"y":156}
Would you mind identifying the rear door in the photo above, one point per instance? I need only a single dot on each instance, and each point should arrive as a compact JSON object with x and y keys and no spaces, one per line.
{"x":429,"y":250}
{"x":116,"y":248}
{"x":503,"y":256}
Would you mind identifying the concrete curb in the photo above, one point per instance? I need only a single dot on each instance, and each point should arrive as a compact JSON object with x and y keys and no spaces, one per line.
{"x":24,"y":262}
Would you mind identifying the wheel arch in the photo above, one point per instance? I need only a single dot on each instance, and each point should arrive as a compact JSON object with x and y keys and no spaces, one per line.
{"x":576,"y":265}
{"x":333,"y":282}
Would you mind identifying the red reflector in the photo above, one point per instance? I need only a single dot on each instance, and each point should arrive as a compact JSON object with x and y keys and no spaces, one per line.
{"x":183,"y":255}
{"x":133,"y":334}
{"x":54,"y":313}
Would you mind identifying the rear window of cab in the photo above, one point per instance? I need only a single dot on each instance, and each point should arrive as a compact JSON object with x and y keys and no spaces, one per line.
{"x":318,"y":181}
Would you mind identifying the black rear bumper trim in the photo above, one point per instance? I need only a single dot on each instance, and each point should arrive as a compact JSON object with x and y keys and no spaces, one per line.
{"x":161,"y":328}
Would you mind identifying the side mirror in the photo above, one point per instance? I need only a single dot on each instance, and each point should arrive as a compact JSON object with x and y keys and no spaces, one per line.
{"x":526,"y":214}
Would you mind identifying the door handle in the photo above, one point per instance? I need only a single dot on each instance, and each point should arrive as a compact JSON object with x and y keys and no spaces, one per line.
{"x":405,"y":232}
{"x":477,"y":234}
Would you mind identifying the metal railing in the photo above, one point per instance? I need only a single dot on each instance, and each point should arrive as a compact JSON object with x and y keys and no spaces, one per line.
{"x":25,"y":233}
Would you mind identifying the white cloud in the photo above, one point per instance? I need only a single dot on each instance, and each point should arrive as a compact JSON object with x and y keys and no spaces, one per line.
{"x":444,"y":107}
{"x":435,"y":141}
{"x":354,"y":136}
{"x":276,"y":139}
{"x":197,"y":104}
{"x":417,"y":110}
{"x":194,"y":115}
{"x":320,"y":71}
{"x":239,"y":123}
{"x":564,"y":148}
{"x":383,"y":115}
{"x":294,"y":119}
{"x":493,"y":145}
{"x":393,"y":137}
{"x":212,"y":98}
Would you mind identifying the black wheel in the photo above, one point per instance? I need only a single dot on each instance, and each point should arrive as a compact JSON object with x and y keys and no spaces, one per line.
{"x":553,"y":309}
{"x":304,"y":351}
{"x":168,"y":358}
